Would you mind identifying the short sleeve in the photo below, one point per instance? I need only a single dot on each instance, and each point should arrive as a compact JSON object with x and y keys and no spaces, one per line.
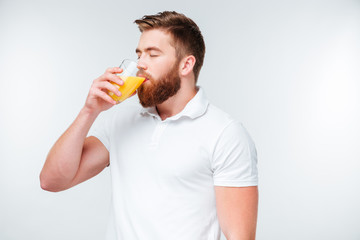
{"x":100,"y":130}
{"x":234,"y":160}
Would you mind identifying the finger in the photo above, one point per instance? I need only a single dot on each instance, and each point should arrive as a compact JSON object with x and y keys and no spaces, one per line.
{"x":110,"y":77}
{"x":100,"y":94}
{"x":114,"y":70}
{"x":116,"y":79}
{"x":106,"y":85}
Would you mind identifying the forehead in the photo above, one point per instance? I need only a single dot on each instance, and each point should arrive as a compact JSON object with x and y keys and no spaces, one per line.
{"x":155,"y":38}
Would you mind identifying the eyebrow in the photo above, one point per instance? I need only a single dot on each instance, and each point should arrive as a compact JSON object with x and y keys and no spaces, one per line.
{"x":148,"y":49}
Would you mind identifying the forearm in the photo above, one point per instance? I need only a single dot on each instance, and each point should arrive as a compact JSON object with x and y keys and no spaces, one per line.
{"x":65,"y":157}
{"x":63,"y":160}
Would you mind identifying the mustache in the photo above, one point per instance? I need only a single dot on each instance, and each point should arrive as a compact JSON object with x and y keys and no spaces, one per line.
{"x":142,"y":73}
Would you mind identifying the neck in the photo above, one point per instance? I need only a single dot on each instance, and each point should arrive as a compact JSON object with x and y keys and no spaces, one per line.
{"x":176,"y":103}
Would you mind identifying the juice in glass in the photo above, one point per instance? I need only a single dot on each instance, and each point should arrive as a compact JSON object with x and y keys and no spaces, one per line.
{"x":131,"y":83}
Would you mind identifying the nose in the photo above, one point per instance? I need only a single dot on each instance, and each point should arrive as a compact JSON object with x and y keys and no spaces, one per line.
{"x":141,"y":64}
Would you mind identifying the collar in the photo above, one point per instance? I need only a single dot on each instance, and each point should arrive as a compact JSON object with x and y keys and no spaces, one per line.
{"x":195,"y":108}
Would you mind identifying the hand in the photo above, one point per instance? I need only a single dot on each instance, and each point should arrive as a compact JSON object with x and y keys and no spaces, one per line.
{"x":98,"y":99}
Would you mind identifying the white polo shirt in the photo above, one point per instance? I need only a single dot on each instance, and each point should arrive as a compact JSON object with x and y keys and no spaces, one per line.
{"x":163,"y":172}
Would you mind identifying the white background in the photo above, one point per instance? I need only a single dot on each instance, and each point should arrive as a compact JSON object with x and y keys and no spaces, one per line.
{"x":288,"y":70}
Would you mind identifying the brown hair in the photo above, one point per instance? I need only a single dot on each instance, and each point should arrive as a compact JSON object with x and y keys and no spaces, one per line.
{"x":184,"y":31}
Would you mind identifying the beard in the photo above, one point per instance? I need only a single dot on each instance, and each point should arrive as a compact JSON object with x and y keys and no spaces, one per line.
{"x":157,"y":91}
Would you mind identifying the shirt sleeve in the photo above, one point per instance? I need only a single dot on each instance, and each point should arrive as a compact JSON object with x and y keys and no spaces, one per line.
{"x":100,"y":130}
{"x":234,"y":160}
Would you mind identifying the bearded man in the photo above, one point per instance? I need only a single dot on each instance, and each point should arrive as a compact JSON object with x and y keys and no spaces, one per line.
{"x":180,"y":167}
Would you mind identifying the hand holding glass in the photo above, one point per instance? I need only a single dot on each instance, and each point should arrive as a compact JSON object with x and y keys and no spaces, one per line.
{"x":131,"y":81}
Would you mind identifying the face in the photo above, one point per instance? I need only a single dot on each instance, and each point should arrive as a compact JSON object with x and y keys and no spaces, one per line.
{"x":159,"y":65}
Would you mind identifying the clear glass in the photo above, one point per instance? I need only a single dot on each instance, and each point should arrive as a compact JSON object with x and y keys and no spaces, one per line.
{"x":131,"y":81}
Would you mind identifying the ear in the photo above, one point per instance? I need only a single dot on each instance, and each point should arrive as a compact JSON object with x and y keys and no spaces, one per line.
{"x":186,"y":65}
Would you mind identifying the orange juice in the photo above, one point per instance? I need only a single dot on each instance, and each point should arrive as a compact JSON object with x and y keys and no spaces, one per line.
{"x":130,"y":85}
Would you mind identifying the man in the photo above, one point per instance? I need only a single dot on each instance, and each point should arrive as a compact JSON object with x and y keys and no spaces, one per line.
{"x":180,"y":167}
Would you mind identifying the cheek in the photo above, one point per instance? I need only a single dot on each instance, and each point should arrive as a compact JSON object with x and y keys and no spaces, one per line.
{"x":160,"y":67}
{"x":156,"y":72}
{"x":163,"y":69}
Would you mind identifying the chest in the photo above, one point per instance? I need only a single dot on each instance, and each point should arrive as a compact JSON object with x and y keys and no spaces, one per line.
{"x":164,"y":151}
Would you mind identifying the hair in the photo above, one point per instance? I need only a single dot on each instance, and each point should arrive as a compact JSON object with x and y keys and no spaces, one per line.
{"x":186,"y":35}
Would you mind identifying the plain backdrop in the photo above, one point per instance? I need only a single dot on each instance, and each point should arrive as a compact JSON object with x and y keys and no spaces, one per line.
{"x":288,"y":70}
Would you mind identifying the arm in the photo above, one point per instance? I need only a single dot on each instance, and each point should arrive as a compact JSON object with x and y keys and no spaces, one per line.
{"x":75,"y":158}
{"x":237,"y":211}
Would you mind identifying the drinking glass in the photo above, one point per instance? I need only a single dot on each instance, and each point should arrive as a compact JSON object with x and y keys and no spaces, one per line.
{"x":131,"y":81}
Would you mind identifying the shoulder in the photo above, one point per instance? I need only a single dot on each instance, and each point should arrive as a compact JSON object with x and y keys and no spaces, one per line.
{"x":217,"y":118}
{"x":223,"y":125}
